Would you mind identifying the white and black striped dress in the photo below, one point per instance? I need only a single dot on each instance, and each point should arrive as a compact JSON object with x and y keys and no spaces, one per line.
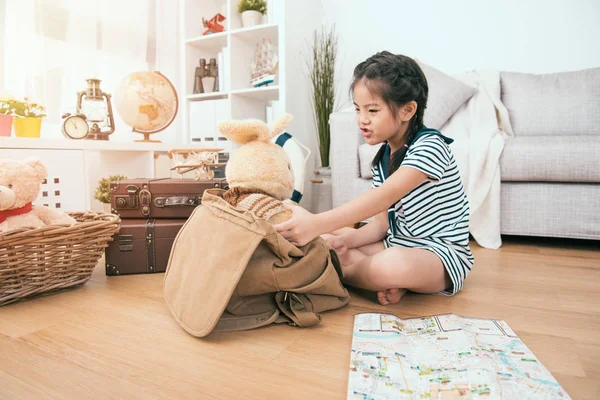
{"x":434,"y":215}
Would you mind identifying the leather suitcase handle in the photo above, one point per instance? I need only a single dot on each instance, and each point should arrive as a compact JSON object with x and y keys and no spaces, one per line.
{"x":172,"y":201}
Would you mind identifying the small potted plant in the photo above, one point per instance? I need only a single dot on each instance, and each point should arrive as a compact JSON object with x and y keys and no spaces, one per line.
{"x":28,"y":118}
{"x":252,"y":11}
{"x":321,"y":68}
{"x":6,"y":115}
{"x":102,"y":193}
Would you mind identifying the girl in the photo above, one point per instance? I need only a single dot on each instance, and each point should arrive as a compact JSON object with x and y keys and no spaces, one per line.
{"x":419,"y":238}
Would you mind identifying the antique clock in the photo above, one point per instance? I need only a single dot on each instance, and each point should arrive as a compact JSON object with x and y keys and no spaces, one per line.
{"x":75,"y":126}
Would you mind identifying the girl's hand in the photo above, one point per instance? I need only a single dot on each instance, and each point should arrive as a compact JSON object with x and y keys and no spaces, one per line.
{"x":338,"y":243}
{"x":301,"y":228}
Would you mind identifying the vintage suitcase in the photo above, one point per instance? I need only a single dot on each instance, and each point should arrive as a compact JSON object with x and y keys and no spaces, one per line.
{"x":142,"y":246}
{"x":159,"y":198}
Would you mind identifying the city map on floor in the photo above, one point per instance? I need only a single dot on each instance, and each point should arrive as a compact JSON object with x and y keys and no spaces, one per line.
{"x":444,"y":357}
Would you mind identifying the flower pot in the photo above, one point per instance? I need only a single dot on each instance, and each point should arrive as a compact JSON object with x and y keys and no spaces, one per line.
{"x":322,"y":196}
{"x":5,"y":124}
{"x":106,"y":208}
{"x":27,"y":127}
{"x":251,"y":18}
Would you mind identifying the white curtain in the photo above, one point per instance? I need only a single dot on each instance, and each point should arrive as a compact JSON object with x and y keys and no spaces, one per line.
{"x":52,"y":46}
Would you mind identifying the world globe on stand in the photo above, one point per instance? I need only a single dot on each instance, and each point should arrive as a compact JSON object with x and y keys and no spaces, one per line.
{"x":147,"y":102}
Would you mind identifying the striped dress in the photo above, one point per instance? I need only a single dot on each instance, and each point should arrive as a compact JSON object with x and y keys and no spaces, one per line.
{"x":434,"y":215}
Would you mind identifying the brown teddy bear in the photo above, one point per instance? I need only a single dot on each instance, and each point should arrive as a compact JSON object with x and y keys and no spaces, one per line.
{"x":19,"y":186}
{"x":259,"y":173}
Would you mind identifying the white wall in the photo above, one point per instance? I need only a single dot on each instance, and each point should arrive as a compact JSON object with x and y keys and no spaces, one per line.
{"x":537,"y":36}
{"x":302,"y":18}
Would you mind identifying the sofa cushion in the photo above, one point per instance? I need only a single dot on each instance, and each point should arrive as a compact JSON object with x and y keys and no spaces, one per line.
{"x":551,"y":159}
{"x":446,"y":95}
{"x":565,"y":103}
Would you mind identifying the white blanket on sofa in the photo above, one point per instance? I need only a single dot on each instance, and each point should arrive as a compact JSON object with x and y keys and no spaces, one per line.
{"x":479,"y":129}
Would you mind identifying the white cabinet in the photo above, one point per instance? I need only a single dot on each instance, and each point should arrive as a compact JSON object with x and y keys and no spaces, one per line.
{"x":75,"y":166}
{"x":236,"y":99}
{"x":66,"y":174}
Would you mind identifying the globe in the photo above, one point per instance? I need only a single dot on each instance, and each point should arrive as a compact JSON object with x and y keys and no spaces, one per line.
{"x":146,"y":101}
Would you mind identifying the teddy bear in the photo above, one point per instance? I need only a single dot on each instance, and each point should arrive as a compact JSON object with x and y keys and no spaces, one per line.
{"x":19,"y":186}
{"x":259,"y":172}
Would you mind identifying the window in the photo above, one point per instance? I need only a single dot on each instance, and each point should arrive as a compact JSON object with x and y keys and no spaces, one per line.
{"x":50,"y":48}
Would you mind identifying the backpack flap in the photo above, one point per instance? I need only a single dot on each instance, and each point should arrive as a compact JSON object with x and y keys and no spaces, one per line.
{"x":229,"y":322}
{"x":208,"y":257}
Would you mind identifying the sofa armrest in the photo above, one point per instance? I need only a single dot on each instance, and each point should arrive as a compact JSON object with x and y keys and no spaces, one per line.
{"x":346,"y":183}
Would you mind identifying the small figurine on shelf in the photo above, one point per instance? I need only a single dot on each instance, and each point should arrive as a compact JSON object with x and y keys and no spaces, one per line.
{"x":264,"y":65}
{"x":213,"y":25}
{"x":213,"y":72}
{"x":199,"y":74}
{"x":206,"y":71}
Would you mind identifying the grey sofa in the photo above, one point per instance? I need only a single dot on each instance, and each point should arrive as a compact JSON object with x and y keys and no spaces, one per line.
{"x":550,"y":170}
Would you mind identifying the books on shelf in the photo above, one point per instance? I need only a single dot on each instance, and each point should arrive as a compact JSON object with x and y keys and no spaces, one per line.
{"x":221,"y":66}
{"x":204,"y":117}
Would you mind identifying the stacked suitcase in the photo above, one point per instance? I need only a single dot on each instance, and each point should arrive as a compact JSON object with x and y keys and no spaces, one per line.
{"x":152,"y":211}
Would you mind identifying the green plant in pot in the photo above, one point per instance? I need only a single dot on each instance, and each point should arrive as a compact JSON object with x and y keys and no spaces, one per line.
{"x":252,"y":11}
{"x":102,"y":193}
{"x":321,"y":68}
{"x":27,"y":118}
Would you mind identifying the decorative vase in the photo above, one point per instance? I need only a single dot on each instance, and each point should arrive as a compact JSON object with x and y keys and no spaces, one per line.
{"x":27,"y":127}
{"x":106,"y":208}
{"x":322,"y":196}
{"x":251,"y":18}
{"x":5,"y":124}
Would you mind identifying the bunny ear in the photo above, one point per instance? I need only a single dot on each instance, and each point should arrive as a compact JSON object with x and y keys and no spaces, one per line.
{"x":242,"y":132}
{"x":280,"y":124}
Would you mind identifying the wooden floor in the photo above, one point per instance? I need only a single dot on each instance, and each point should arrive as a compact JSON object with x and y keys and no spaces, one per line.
{"x":114,"y":338}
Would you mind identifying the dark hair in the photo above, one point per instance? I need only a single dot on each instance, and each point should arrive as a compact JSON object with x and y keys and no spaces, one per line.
{"x":397,"y":79}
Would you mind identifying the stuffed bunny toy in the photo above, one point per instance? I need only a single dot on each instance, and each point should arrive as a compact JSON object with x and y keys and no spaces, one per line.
{"x":259,"y":173}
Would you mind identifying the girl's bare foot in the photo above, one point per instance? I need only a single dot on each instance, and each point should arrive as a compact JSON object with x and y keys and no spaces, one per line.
{"x":390,"y":296}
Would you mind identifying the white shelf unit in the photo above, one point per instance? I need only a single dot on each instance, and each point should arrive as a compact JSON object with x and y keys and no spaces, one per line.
{"x":237,"y":99}
{"x":76,"y":166}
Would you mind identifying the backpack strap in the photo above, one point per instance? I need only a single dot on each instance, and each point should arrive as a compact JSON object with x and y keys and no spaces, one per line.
{"x":298,"y":308}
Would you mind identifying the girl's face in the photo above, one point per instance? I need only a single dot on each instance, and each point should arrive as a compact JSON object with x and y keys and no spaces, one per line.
{"x":375,"y":120}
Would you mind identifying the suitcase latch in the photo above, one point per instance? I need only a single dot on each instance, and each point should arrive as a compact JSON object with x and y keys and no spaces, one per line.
{"x":129,"y":201}
{"x":145,"y":198}
{"x":125,"y":242}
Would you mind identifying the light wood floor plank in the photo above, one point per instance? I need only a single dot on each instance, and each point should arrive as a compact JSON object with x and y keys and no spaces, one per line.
{"x":115,"y":338}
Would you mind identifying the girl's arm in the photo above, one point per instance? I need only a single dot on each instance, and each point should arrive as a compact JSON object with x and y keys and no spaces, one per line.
{"x":372,"y":232}
{"x":301,"y":229}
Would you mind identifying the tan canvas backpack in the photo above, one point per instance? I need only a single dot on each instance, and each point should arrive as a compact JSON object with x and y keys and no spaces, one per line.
{"x":229,"y":270}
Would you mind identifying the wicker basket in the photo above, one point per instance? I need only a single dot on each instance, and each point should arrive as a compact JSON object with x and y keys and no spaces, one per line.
{"x":53,"y":257}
